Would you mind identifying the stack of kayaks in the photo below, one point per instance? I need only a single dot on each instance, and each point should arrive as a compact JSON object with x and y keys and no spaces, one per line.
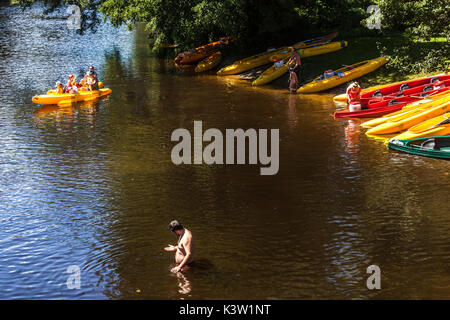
{"x":415,"y":115}
{"x":343,"y":75}
{"x":202,"y":58}
{"x":412,"y":117}
{"x":378,"y":107}
{"x":264,"y":58}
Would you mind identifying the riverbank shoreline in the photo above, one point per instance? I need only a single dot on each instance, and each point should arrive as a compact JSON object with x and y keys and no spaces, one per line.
{"x":359,"y":49}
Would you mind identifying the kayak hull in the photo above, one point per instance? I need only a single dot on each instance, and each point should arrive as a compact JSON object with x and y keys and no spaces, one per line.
{"x":407,"y":122}
{"x":359,"y":70}
{"x":263,"y":58}
{"x":209,"y":62}
{"x":438,"y":126}
{"x":433,"y":147}
{"x":199,"y":53}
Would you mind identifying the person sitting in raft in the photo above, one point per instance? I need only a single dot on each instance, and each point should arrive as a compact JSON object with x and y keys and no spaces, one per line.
{"x":353,"y":96}
{"x":72,"y":85}
{"x":184,"y":250}
{"x":293,"y":81}
{"x":91,"y":79}
{"x":59,"y":88}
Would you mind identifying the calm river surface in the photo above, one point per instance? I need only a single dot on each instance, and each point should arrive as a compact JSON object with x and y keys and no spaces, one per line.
{"x":94,"y":185}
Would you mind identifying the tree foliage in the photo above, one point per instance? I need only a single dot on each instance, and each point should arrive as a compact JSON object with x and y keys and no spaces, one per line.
{"x":260,"y":23}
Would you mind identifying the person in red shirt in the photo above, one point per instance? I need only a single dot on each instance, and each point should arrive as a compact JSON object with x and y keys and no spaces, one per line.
{"x":353,"y":96}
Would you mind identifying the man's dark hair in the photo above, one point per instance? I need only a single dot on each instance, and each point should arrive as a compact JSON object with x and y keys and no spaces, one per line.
{"x":175,"y":225}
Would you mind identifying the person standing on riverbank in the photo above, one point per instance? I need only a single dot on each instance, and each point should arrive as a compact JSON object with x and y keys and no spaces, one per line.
{"x":295,"y":60}
{"x":184,"y":250}
{"x":293,"y":64}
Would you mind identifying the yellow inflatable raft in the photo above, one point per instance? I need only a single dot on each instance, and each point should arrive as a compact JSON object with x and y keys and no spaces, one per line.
{"x":70,"y":97}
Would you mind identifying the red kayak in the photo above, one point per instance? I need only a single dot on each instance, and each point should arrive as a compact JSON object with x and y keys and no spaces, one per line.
{"x":419,"y":91}
{"x":401,"y":89}
{"x":382,"y":108}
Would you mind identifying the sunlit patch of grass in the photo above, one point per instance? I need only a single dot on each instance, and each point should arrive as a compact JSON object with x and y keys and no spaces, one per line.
{"x":432,"y":40}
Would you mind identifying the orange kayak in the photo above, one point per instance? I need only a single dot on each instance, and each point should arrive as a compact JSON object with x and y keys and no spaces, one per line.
{"x":194,"y":55}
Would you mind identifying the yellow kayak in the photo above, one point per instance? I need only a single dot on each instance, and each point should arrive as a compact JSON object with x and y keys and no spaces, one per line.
{"x":209,"y":62}
{"x":248,"y":63}
{"x":343,"y":75}
{"x":275,"y":71}
{"x":438,"y":126}
{"x":263,"y":58}
{"x":407,"y":110}
{"x":409,"y":121}
{"x":72,"y":97}
{"x":311,"y":51}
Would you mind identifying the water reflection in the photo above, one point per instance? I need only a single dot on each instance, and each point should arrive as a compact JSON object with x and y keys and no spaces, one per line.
{"x":93,"y":185}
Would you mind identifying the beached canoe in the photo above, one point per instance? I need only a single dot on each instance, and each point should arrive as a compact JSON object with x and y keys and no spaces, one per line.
{"x":276,"y":71}
{"x":209,"y":62}
{"x":343,"y":75}
{"x":407,"y":122}
{"x":73,"y":97}
{"x":438,"y":126}
{"x":263,"y":58}
{"x":199,"y":53}
{"x":434,"y":147}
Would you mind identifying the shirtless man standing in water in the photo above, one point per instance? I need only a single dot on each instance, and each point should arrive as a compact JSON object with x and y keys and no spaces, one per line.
{"x":184,"y":256}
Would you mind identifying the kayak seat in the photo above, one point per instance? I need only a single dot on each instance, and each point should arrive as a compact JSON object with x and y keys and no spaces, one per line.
{"x":392,"y":102}
{"x":404,"y":87}
{"x":377,"y":94}
{"x":429,"y":144}
{"x":424,"y":94}
{"x":428,"y":88}
{"x":434,"y":80}
{"x":400,"y":94}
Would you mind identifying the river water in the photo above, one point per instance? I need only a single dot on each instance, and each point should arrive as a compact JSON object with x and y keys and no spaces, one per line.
{"x":93,"y":185}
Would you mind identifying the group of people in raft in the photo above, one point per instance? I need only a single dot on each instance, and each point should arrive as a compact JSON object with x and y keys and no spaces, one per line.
{"x":88,"y":83}
{"x":353,"y":90}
